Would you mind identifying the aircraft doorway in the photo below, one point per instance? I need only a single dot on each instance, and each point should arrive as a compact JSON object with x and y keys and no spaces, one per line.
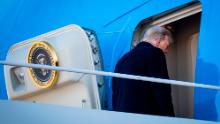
{"x":181,"y":58}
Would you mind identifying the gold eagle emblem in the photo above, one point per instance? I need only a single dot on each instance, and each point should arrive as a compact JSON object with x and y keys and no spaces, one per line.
{"x":43,"y":53}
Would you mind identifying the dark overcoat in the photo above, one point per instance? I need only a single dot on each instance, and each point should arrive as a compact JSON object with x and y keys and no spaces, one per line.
{"x":140,"y":96}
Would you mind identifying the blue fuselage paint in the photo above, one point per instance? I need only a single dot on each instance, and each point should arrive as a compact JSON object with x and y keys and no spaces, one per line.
{"x":114,"y":23}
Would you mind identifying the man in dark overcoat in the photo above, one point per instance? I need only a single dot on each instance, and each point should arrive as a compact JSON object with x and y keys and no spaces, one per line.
{"x":146,"y":59}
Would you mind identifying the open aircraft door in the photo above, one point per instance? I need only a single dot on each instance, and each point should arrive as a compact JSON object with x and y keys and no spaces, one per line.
{"x":70,"y":46}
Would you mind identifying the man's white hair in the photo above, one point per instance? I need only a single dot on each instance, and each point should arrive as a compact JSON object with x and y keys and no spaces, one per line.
{"x":155,"y":32}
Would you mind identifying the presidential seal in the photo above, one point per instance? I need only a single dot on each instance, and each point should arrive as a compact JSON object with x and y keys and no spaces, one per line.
{"x":43,"y":53}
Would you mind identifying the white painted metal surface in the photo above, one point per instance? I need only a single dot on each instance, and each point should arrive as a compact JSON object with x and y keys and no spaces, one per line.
{"x":30,"y":113}
{"x":73,"y":49}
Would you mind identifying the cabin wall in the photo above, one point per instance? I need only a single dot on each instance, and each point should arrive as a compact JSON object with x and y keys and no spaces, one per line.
{"x":181,"y":60}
